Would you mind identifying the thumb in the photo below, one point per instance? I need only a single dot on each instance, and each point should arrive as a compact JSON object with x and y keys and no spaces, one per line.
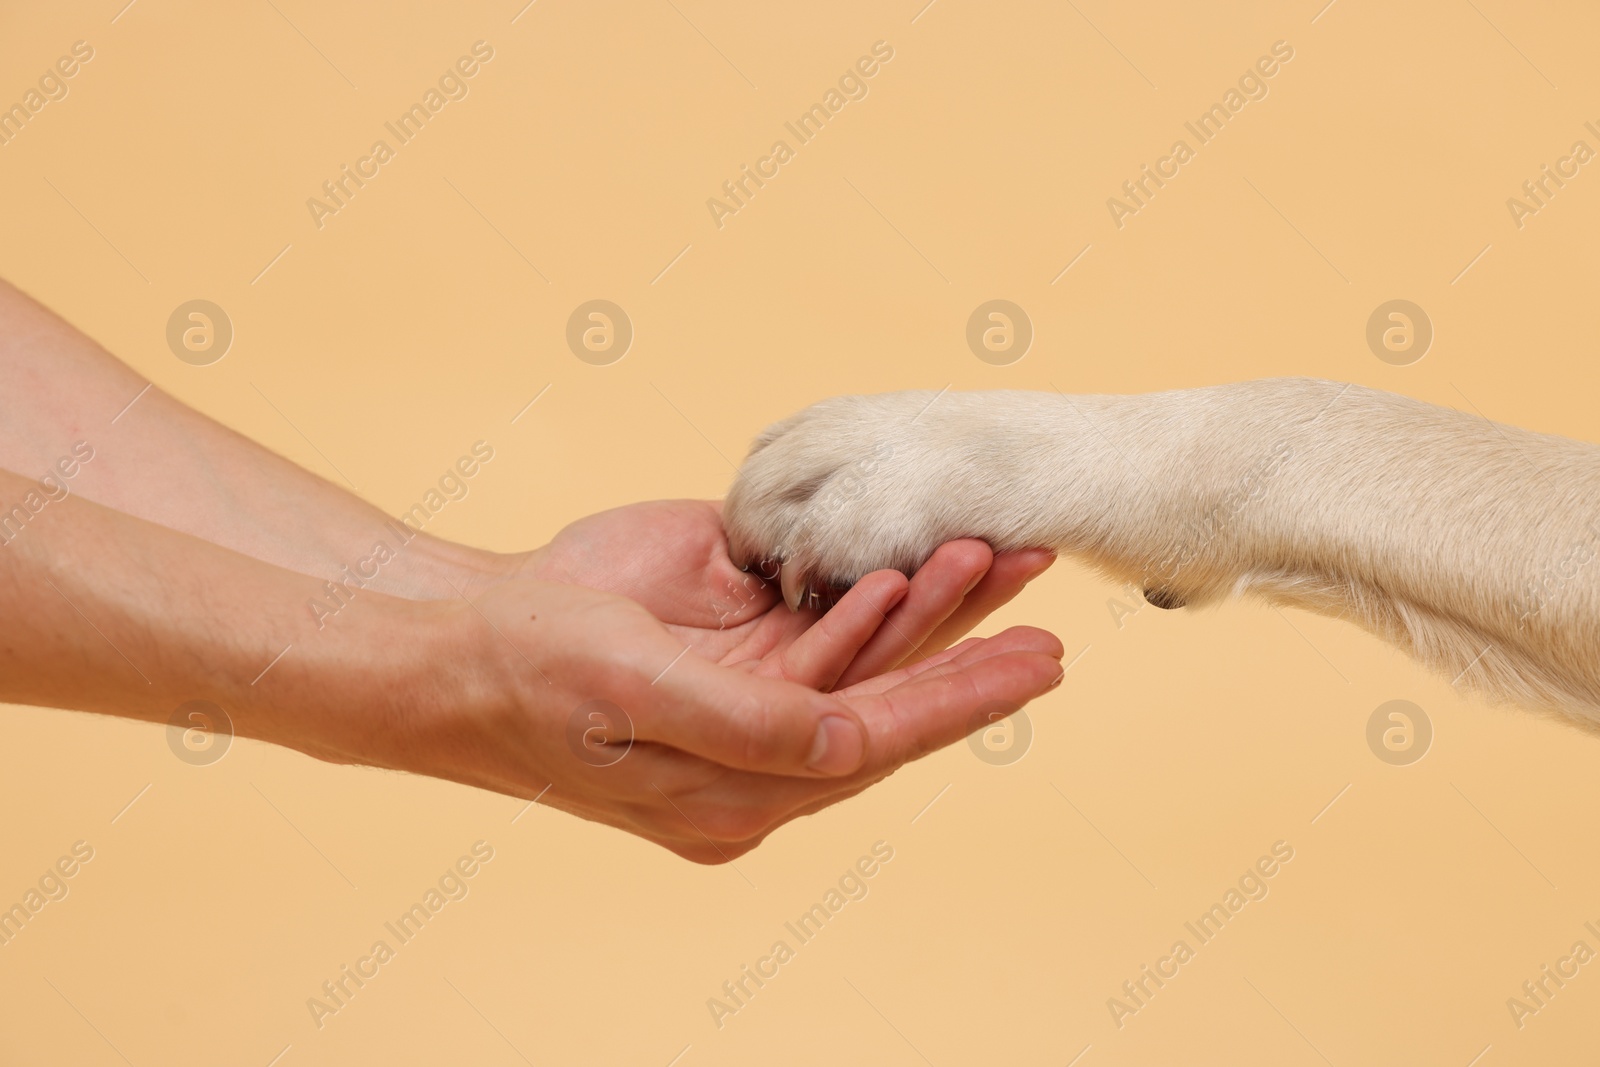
{"x":751,"y":723}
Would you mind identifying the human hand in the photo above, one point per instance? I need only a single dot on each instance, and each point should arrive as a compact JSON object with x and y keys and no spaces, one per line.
{"x":672,"y":558}
{"x":703,"y":687}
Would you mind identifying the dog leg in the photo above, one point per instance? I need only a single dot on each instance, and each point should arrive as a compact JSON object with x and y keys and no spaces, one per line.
{"x":1467,"y":543}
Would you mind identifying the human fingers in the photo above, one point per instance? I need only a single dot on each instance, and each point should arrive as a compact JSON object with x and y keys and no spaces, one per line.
{"x":937,"y":707}
{"x":748,"y":722}
{"x":1013,"y":639}
{"x":1006,"y":577}
{"x":913,"y":718}
{"x":935,"y":593}
{"x":821,"y":653}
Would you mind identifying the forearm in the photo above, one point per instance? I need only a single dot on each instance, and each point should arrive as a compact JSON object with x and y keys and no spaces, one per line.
{"x":162,"y":461}
{"x":110,"y":613}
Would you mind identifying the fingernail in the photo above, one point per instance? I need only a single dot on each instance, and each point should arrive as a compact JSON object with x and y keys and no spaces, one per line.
{"x":839,"y":746}
{"x":899,"y":595}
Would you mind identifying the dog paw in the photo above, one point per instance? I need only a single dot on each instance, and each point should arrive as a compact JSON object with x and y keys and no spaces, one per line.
{"x":859,"y":483}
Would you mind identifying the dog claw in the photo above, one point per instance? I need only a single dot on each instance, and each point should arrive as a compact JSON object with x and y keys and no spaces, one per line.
{"x":792,"y":581}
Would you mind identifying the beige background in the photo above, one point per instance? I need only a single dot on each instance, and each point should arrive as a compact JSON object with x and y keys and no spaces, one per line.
{"x":423,"y":317}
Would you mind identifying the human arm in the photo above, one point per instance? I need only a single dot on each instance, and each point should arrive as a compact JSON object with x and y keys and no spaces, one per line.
{"x":155,"y":458}
{"x":188,"y":563}
{"x":117,"y":615}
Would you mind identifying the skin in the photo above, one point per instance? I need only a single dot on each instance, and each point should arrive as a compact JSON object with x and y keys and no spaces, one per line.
{"x":178,"y":563}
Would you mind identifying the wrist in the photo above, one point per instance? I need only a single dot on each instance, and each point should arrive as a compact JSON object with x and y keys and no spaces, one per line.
{"x":462,"y":694}
{"x":371,"y":687}
{"x":444,"y":570}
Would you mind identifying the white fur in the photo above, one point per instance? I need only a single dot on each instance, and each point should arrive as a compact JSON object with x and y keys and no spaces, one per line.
{"x":1469,"y":544}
